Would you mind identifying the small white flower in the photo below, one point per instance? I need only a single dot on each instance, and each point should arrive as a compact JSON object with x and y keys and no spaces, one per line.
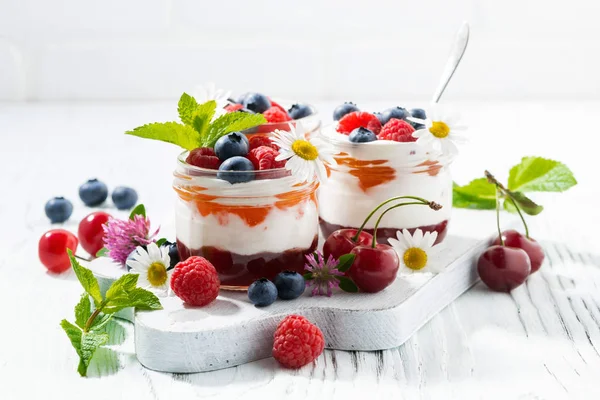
{"x":208,"y":92}
{"x":441,"y":131}
{"x":304,"y":157}
{"x":151,"y":265}
{"x":417,"y":252}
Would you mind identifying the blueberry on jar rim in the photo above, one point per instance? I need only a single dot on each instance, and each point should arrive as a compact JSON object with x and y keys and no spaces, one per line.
{"x":257,"y":102}
{"x":362,"y":135}
{"x":344,"y":109}
{"x":395,"y":112}
{"x":298,"y":111}
{"x":232,"y":145}
{"x":236,"y":170}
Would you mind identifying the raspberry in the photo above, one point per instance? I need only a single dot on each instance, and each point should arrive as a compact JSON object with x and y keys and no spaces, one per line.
{"x":397,"y":130}
{"x":203,"y":157}
{"x":233,"y":107}
{"x":195,"y":281}
{"x":297,"y":342}
{"x":257,"y":141}
{"x":276,"y":105}
{"x":275,"y":114}
{"x":359,"y":119}
{"x":263,"y":157}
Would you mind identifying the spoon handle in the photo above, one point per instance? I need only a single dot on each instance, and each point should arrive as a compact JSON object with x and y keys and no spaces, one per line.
{"x":460,"y":45}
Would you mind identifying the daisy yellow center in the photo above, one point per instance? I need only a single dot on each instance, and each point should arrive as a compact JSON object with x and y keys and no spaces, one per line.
{"x":439,"y":129}
{"x":305,"y":149}
{"x":157,"y":274}
{"x":415,"y":258}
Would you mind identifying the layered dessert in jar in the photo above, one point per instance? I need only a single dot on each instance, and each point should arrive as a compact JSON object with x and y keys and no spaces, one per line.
{"x":381,"y":155}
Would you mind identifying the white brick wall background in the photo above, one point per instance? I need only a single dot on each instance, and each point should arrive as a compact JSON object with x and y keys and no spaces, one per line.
{"x":313,"y":49}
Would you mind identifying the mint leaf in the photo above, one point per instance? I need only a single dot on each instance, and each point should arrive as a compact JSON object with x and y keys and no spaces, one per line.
{"x":103,"y":252}
{"x":526,"y":205}
{"x":479,"y":194}
{"x":202,"y":116}
{"x":90,"y":342}
{"x":171,"y":132}
{"x":121,"y":287}
{"x":143,"y":299}
{"x":186,"y":107}
{"x":87,"y":279}
{"x":100,"y":322}
{"x":347,"y":285}
{"x":83,"y":310}
{"x":537,"y":174}
{"x":123,"y":293}
{"x":140,"y":209}
{"x":231,"y":122}
{"x":345,"y":262}
{"x":74,"y":334}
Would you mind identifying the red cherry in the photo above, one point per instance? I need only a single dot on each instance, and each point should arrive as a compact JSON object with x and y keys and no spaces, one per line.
{"x":340,"y":242}
{"x":374,"y":268}
{"x":91,"y":233}
{"x":513,"y":238}
{"x":52,"y":249}
{"x":503,"y":268}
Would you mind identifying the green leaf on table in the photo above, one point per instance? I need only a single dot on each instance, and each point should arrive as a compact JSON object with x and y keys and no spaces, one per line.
{"x":186,"y":107}
{"x":87,"y":279}
{"x":479,"y":194}
{"x":103,"y":252}
{"x":537,"y":174}
{"x":345,"y":262}
{"x":83,"y":310}
{"x":230,"y":122}
{"x":347,"y":285}
{"x":171,"y":132}
{"x":140,"y":209}
{"x":526,"y":205}
{"x":90,"y":342}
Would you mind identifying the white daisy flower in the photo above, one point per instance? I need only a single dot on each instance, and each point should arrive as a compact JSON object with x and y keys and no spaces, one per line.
{"x":441,"y":131}
{"x":417,"y":252}
{"x":304,"y":156}
{"x":151,"y":265}
{"x":204,"y":93}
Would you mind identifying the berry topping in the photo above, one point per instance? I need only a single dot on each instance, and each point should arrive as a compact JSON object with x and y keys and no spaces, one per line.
{"x":231,"y":145}
{"x":203,"y":157}
{"x":263,"y":157}
{"x":344,"y":109}
{"x":362,"y":135}
{"x":52,"y":249}
{"x":233,"y":107}
{"x":398,"y":131}
{"x":290,"y":285}
{"x":277,"y":105}
{"x":58,"y":209}
{"x":297,"y":342}
{"x":195,"y":281}
{"x":231,"y":169}
{"x":258,"y":140}
{"x":418,"y":113}
{"x":259,"y":103}
{"x":396,"y":112}
{"x":275,"y":114}
{"x":124,"y":197}
{"x":298,"y":111}
{"x":262,"y":292}
{"x":91,"y":232}
{"x":93,"y":193}
{"x":358,"y":119}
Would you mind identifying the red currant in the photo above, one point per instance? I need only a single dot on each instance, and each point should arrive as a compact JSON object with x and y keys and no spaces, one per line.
{"x":52,"y":249}
{"x":91,"y":233}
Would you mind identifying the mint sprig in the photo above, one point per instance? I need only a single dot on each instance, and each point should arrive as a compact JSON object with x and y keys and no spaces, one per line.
{"x":87,"y":334}
{"x":197,"y":128}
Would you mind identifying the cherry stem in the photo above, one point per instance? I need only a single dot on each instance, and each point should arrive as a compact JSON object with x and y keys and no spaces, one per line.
{"x":507,"y":194}
{"x":522,"y":218}
{"x":82,"y":258}
{"x":362,"y":227}
{"x":498,"y":216}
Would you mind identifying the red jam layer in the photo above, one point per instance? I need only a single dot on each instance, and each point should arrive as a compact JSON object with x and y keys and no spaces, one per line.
{"x":383,"y":234}
{"x":237,"y":271}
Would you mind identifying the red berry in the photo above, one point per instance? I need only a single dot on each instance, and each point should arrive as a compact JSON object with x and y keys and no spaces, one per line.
{"x":203,"y":157}
{"x":263,"y":157}
{"x":52,"y":249}
{"x":358,"y":119}
{"x":233,"y":107}
{"x":374,"y":269}
{"x":397,"y":130}
{"x":533,"y":249}
{"x":90,"y":231}
{"x":195,"y":281}
{"x":297,"y":342}
{"x":274,"y":104}
{"x":340,"y":242}
{"x":275,"y":114}
{"x":503,"y":268}
{"x":258,"y":140}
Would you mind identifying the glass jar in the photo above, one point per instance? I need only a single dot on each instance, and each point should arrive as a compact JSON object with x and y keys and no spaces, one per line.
{"x":367,"y":174}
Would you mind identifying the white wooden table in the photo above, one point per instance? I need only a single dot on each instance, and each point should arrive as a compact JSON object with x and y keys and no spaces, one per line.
{"x":540,"y":342}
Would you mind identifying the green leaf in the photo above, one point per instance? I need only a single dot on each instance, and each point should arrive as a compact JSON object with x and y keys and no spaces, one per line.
{"x":161,"y":241}
{"x":308,"y":276}
{"x":83,"y":310}
{"x":202,"y":117}
{"x":87,"y":279}
{"x":74,"y":334}
{"x":347,"y":285}
{"x":103,"y":252}
{"x":123,"y":293}
{"x":479,"y":194}
{"x":121,"y":287}
{"x":171,"y":132}
{"x":100,"y":322}
{"x":186,"y":107}
{"x":537,"y":174}
{"x":90,"y":342}
{"x":526,"y":205}
{"x":228,"y":123}
{"x":140,"y":209}
{"x":345,"y":262}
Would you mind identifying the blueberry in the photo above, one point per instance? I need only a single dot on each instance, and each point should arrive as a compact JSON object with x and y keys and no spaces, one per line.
{"x":236,"y":164}
{"x":344,"y":109}
{"x":262,"y":292}
{"x":396,"y":112}
{"x":298,"y":111}
{"x":240,"y":100}
{"x":380,"y":117}
{"x":173,"y":254}
{"x":362,"y":135}
{"x":234,"y":144}
{"x":290,"y":285}
{"x":418,"y":113}
{"x":58,"y":209}
{"x":93,"y":193}
{"x":124,"y":197}
{"x":259,"y":103}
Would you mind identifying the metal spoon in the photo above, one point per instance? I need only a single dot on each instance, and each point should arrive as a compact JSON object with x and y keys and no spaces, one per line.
{"x":460,"y":45}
